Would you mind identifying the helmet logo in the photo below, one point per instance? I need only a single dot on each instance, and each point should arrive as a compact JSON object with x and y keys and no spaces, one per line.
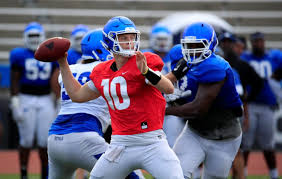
{"x":191,"y":37}
{"x":129,"y":29}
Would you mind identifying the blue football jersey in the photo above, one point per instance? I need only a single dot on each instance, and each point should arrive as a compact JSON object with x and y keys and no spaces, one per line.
{"x":265,"y":66}
{"x":73,"y":56}
{"x":213,"y":69}
{"x":35,"y":75}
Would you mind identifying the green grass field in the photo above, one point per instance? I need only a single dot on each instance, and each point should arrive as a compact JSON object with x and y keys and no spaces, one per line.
{"x":15,"y":176}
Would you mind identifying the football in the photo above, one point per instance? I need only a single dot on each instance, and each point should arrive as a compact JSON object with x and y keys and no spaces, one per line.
{"x":52,"y":49}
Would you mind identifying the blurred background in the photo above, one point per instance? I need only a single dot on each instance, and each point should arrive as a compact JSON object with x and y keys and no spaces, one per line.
{"x":59,"y":17}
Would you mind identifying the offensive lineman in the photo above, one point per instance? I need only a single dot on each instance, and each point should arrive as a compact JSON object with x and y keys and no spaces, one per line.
{"x":212,"y":134}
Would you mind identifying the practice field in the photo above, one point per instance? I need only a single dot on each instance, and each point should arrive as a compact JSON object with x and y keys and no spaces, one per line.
{"x":9,"y":167}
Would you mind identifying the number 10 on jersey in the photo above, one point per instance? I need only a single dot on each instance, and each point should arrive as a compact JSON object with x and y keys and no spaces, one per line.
{"x":116,"y":93}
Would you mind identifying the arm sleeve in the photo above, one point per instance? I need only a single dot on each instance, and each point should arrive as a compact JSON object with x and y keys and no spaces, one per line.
{"x":154,"y":61}
{"x":210,"y":73}
{"x":15,"y":61}
{"x":92,"y":86}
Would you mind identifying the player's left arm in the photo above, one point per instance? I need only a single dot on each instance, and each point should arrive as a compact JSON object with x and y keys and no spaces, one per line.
{"x":205,"y":96}
{"x":55,"y":86}
{"x":156,"y":79}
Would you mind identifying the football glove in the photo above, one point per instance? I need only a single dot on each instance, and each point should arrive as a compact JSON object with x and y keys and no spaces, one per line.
{"x":180,"y":69}
{"x":172,"y":98}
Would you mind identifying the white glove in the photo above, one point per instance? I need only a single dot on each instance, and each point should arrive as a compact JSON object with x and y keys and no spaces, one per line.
{"x":16,"y":108}
{"x":177,"y":95}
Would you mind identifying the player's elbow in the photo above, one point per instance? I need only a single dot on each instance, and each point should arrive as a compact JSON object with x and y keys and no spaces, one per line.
{"x":170,"y":90}
{"x":76,"y":100}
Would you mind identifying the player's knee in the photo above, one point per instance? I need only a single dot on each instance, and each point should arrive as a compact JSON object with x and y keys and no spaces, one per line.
{"x":246,"y":145}
{"x":42,"y":144}
{"x":26,"y":143}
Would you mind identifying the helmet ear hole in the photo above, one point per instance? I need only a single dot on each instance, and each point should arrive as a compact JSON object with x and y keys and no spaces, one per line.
{"x":99,"y":51}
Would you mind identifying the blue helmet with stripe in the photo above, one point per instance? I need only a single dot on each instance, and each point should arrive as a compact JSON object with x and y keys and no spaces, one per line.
{"x":92,"y":46}
{"x":198,"y":42}
{"x":117,"y":26}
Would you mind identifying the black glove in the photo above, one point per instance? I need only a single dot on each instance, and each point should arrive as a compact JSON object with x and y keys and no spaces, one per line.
{"x":180,"y":69}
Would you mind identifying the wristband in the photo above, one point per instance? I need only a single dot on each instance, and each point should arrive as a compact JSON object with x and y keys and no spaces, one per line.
{"x":180,"y":69}
{"x":145,"y":72}
{"x":152,"y":76}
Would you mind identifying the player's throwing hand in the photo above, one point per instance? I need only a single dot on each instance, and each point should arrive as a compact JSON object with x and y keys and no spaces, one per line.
{"x":141,"y":62}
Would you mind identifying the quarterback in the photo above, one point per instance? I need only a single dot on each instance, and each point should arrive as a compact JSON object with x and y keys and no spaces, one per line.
{"x":132,"y":86}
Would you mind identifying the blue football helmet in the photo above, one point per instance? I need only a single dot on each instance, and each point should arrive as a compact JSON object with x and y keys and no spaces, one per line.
{"x":92,"y":47}
{"x":117,"y":26}
{"x":76,"y":35}
{"x":33,"y":35}
{"x":161,"y":38}
{"x":198,"y":42}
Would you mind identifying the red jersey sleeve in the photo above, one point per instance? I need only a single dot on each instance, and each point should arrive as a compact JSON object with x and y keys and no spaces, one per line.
{"x":154,"y":61}
{"x":96,"y":70}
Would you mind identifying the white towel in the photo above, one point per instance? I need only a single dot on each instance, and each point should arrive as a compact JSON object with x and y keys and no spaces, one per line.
{"x":113,"y":153}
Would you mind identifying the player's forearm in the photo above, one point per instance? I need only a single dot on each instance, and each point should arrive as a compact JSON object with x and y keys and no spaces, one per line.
{"x":56,"y":88}
{"x":186,"y":110}
{"x":15,"y":78}
{"x":171,"y":77}
{"x":165,"y":85}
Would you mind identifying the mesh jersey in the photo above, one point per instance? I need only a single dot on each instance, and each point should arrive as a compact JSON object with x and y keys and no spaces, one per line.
{"x":97,"y":107}
{"x":221,"y":120}
{"x":265,"y":66}
{"x":135,"y":107}
{"x":213,"y":69}
{"x":35,"y":75}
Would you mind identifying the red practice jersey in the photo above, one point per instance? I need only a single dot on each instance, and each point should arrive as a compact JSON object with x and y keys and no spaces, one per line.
{"x":135,"y":107}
